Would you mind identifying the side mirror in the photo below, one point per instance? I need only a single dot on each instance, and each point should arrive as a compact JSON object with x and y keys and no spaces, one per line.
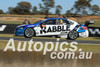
{"x":87,"y":23}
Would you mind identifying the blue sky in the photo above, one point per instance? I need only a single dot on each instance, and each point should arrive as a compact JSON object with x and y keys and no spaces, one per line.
{"x":66,"y":4}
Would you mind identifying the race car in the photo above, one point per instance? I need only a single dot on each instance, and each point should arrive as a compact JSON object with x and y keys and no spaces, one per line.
{"x":59,"y":27}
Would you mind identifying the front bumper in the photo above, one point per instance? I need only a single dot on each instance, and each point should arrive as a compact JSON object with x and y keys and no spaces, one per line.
{"x":19,"y":32}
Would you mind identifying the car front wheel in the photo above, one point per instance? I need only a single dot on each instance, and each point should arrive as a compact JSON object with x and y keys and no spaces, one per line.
{"x":29,"y":32}
{"x":73,"y":35}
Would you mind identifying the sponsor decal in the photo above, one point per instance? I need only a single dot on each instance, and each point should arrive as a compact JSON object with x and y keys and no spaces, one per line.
{"x":2,"y":28}
{"x":54,"y":29}
{"x":94,"y":31}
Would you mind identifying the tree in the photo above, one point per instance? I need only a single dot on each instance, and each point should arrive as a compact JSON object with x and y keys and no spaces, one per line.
{"x":58,"y":9}
{"x":18,"y":11}
{"x":85,"y":13}
{"x":47,"y":5}
{"x":1,"y":11}
{"x":81,"y":6}
{"x":68,"y":13}
{"x":23,"y":8}
{"x":95,"y":9}
{"x":35,"y":11}
{"x":42,"y":11}
{"x":11,"y":10}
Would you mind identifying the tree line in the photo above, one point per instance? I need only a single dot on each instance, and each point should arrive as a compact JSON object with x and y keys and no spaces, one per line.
{"x":84,"y":8}
{"x":80,"y":8}
{"x":26,"y":8}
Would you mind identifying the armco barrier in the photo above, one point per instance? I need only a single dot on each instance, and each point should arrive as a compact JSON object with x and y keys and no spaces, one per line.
{"x":9,"y":29}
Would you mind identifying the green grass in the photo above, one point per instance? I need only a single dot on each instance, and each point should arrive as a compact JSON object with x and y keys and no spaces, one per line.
{"x":89,"y":38}
{"x":88,"y":47}
{"x":93,"y":48}
{"x":11,"y":22}
{"x":6,"y":35}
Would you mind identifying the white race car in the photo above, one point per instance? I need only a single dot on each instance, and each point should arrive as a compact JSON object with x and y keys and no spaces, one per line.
{"x":59,"y":27}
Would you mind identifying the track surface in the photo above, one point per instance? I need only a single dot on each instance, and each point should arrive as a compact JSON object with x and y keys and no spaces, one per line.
{"x":52,"y":40}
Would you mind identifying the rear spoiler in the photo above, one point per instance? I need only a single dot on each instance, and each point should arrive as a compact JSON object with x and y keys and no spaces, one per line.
{"x":87,"y":23}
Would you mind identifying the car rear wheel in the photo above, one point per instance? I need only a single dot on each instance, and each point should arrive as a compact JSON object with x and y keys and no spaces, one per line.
{"x":29,"y":33}
{"x":73,"y":35}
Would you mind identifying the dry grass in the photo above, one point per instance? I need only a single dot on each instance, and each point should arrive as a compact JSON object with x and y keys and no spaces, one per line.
{"x":6,"y":17}
{"x":25,"y":16}
{"x":19,"y":19}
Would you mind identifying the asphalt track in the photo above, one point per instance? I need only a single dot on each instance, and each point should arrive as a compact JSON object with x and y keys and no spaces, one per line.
{"x":52,"y":40}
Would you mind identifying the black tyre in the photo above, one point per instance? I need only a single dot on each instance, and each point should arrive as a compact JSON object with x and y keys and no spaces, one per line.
{"x":73,"y":35}
{"x":29,"y":33}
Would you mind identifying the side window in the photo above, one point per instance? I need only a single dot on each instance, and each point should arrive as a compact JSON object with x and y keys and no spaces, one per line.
{"x":60,"y":21}
{"x":65,"y":22}
{"x":57,"y":21}
{"x":70,"y":22}
{"x":50,"y":22}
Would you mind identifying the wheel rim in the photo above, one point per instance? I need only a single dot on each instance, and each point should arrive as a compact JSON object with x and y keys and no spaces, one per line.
{"x":29,"y":32}
{"x":73,"y":34}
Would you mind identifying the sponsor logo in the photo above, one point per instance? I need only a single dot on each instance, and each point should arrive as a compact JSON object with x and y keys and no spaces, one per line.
{"x":94,"y":31}
{"x":2,"y":27}
{"x":55,"y":29}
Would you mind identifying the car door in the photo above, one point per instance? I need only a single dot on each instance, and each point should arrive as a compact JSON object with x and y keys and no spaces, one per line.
{"x":47,"y":28}
{"x":52,"y":27}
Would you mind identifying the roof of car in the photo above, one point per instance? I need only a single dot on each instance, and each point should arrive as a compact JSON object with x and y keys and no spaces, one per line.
{"x":56,"y":18}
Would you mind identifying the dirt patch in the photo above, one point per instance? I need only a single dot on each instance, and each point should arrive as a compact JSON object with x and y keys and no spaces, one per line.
{"x":19,"y":19}
{"x":83,"y":19}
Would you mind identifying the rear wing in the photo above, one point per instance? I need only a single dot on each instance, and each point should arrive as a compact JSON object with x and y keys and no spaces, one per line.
{"x":87,"y":23}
